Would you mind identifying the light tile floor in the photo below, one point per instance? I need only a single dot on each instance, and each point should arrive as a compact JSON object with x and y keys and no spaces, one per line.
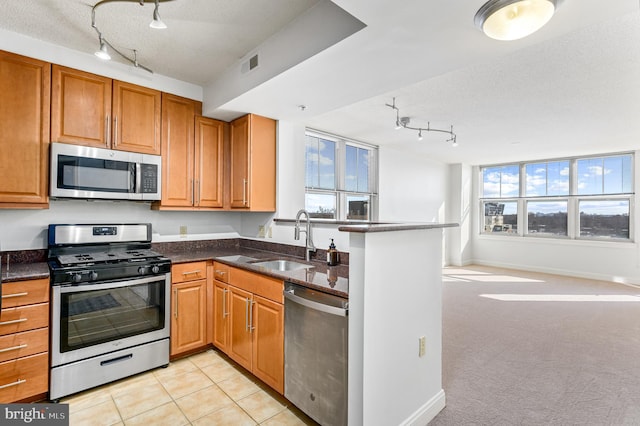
{"x":203,"y":389}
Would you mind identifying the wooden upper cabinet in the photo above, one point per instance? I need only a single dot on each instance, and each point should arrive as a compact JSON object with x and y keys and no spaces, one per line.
{"x":136,"y":118}
{"x":178,"y":115}
{"x":25,"y":86}
{"x":253,"y":163}
{"x":80,"y":108}
{"x":209,"y":162}
{"x":92,"y":110}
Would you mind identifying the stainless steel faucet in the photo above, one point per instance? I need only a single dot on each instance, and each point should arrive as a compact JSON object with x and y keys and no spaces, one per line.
{"x":308,"y":246}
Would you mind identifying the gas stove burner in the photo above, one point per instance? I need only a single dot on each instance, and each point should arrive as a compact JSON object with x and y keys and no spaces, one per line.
{"x":84,"y":253}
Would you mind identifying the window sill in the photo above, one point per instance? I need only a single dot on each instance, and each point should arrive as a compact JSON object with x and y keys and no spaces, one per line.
{"x":560,"y":241}
{"x":333,"y":222}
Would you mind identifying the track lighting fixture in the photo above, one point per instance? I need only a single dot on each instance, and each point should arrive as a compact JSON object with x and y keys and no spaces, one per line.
{"x":157,"y":22}
{"x":514,"y":19}
{"x":103,"y":53}
{"x":403,"y":123}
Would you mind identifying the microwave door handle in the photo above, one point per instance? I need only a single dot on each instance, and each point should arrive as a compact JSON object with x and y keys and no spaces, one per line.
{"x":138,"y":171}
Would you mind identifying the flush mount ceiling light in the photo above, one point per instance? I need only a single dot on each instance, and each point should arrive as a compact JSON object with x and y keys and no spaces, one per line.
{"x":403,"y":123}
{"x":514,"y":19}
{"x":103,"y":52}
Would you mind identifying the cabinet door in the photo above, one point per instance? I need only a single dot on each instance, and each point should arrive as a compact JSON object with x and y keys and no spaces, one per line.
{"x":239,"y":182}
{"x":268,"y":342}
{"x":188,"y":316}
{"x":240,"y":346}
{"x":209,"y":148}
{"x":262,"y":164}
{"x":25,"y":86}
{"x":80,"y":107}
{"x":221,"y":310}
{"x":177,"y":150}
{"x":136,"y":118}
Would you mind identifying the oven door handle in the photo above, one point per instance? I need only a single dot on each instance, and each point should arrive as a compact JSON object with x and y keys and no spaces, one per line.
{"x":111,"y":284}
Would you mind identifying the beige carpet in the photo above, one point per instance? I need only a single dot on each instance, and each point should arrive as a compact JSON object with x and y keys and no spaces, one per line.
{"x":523,"y":348}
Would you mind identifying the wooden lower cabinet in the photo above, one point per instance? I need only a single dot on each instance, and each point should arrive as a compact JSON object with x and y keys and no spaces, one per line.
{"x":188,"y":316}
{"x":24,"y":377}
{"x":24,"y":340}
{"x":248,"y":326}
{"x":268,"y":342}
{"x":220,"y":316}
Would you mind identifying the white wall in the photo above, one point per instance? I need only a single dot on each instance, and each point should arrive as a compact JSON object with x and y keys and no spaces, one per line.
{"x":390,"y":308}
{"x":27,"y":229}
{"x":611,"y":261}
{"x":413,"y":188}
{"x":458,"y":210}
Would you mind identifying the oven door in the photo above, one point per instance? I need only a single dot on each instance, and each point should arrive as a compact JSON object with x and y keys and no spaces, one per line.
{"x":98,"y":318}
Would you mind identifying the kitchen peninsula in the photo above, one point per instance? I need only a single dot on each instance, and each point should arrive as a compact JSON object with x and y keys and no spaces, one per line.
{"x":395,"y":323}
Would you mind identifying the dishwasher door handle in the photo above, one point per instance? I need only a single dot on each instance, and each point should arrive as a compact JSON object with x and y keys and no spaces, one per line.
{"x":333,"y":310}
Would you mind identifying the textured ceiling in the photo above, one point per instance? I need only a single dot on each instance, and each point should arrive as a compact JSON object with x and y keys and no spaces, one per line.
{"x":203,"y":38}
{"x":570,"y":89}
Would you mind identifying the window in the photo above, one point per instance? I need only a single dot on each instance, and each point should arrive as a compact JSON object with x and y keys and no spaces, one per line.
{"x":341,"y":178}
{"x":582,"y":198}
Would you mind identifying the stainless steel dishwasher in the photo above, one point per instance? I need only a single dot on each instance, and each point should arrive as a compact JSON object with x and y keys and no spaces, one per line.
{"x":316,"y":353}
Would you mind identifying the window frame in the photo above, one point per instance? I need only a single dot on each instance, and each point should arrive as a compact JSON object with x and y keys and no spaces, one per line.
{"x":340,"y":191}
{"x":573,"y":200}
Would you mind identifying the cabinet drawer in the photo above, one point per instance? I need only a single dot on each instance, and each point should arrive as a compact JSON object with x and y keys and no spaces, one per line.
{"x":24,"y":377}
{"x":27,"y":343}
{"x":23,"y":318}
{"x":21,"y":293}
{"x":188,"y":272}
{"x":267,"y":287}
{"x":221,"y":272}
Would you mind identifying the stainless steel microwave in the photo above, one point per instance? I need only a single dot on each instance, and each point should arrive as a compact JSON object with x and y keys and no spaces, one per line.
{"x":85,"y":172}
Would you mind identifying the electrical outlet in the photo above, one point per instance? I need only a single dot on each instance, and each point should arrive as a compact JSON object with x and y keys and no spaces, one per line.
{"x":422,"y":346}
{"x":261,"y":231}
{"x":183,"y":230}
{"x":269,"y":233}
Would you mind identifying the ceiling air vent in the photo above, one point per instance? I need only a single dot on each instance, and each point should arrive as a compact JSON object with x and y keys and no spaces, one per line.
{"x":250,"y":64}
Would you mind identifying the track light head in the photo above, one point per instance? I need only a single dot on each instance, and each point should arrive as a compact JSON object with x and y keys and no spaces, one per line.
{"x":103,"y":53}
{"x":157,"y":22}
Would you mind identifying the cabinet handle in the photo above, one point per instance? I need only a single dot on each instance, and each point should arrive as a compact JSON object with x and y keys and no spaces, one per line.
{"x":191,"y":272}
{"x":107,"y":129}
{"x":7,"y":296}
{"x":16,"y":321}
{"x":16,"y":383}
{"x":175,"y":301}
{"x":244,"y":191}
{"x":13,"y":348}
{"x":246,"y":314}
{"x":115,"y":131}
{"x":251,"y":327}
{"x":198,"y":193}
{"x":192,"y":196}
{"x":224,"y":303}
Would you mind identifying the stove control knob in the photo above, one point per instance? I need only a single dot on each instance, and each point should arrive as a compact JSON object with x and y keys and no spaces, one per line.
{"x":155,"y":269}
{"x":76,"y":278}
{"x":142,"y":270}
{"x":93,"y":275}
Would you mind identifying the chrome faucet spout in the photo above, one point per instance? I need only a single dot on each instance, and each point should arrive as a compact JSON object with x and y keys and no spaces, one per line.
{"x":309,"y":247}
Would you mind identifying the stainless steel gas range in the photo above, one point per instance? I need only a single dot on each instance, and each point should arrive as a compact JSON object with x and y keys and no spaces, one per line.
{"x":110,"y":302}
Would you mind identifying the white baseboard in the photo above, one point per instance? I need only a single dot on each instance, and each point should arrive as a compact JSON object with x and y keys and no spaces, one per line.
{"x":427,"y":412}
{"x":555,"y":271}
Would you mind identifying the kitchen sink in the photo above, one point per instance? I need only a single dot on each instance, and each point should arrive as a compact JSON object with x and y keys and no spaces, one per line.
{"x":237,"y":258}
{"x":282,"y":265}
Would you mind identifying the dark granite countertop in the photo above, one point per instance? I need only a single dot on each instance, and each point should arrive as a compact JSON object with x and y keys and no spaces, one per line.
{"x":24,"y":271}
{"x":328,"y":279}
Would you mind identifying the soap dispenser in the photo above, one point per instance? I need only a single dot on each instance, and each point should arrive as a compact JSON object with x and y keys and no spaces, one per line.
{"x":332,"y":255}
